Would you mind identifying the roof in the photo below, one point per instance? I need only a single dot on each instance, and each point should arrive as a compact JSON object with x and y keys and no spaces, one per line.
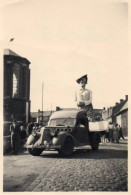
{"x":10,"y":52}
{"x":125,"y":107}
{"x":68,"y":109}
{"x":36,"y":114}
{"x":68,"y":114}
{"x":118,"y":107}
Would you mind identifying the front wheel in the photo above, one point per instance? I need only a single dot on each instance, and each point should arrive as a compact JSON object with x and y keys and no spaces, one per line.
{"x":67,"y":147}
{"x":35,"y":151}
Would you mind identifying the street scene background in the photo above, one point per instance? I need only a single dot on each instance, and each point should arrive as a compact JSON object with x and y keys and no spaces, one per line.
{"x":65,"y":40}
{"x":56,"y":42}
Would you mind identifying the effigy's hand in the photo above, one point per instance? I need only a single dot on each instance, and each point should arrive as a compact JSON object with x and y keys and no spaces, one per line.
{"x":81,"y":104}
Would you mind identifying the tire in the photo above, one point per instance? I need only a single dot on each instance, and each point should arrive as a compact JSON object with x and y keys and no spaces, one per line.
{"x":67,"y":147}
{"x":95,"y":140}
{"x":35,"y":151}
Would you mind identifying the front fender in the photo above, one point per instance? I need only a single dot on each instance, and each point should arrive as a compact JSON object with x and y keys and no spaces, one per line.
{"x":59,"y":140}
{"x":31,"y":139}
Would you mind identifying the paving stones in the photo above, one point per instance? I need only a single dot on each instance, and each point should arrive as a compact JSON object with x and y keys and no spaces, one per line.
{"x":84,"y":175}
{"x":105,"y":170}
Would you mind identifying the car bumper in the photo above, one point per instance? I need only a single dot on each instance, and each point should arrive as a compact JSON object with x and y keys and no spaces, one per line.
{"x":44,"y":146}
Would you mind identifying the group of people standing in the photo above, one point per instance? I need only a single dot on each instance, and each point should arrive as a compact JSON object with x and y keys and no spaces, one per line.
{"x":114,"y":133}
{"x":19,"y":133}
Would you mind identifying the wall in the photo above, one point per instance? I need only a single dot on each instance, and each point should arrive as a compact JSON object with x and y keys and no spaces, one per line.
{"x":122,"y":120}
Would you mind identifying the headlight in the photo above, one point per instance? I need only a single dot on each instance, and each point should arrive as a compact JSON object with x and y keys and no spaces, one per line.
{"x":52,"y":132}
{"x":69,"y":130}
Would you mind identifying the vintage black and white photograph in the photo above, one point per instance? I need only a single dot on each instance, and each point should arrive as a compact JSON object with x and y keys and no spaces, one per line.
{"x":65,"y":95}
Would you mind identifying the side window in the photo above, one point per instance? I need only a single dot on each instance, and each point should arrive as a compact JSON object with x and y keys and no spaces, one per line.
{"x":16,"y":75}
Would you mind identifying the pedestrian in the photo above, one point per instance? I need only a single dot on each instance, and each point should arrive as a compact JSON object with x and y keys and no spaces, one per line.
{"x":106,"y":136}
{"x":110,"y":128}
{"x":120,"y":133}
{"x":116,"y":133}
{"x":83,"y":97}
{"x":15,"y":137}
{"x":22,"y":136}
{"x":29,"y":129}
{"x":35,"y":135}
{"x":35,"y":128}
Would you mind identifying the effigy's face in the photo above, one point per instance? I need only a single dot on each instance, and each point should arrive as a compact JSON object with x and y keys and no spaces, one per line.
{"x":82,"y":83}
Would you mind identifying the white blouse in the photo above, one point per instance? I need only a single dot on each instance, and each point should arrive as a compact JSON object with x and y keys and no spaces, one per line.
{"x":83,"y":95}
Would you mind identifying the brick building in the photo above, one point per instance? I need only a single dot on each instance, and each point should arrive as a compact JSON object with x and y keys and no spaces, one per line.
{"x":41,"y":117}
{"x":118,"y":114}
{"x":16,"y":87}
{"x":122,"y":118}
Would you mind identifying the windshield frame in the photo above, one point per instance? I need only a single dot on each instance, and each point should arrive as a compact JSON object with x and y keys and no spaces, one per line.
{"x":62,"y":123}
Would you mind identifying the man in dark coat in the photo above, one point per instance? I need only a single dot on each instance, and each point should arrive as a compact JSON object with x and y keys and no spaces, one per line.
{"x":120,"y":133}
{"x":110,"y":128}
{"x":15,"y":137}
{"x":29,"y":128}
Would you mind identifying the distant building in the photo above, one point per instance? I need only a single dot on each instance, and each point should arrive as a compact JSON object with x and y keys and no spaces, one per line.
{"x":41,"y":117}
{"x":16,"y":87}
{"x":122,"y":118}
{"x":118,"y":114}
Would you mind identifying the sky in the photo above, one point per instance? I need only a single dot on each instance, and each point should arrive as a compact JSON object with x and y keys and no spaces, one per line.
{"x":64,"y":40}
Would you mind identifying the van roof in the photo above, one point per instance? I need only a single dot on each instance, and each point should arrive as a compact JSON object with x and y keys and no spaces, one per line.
{"x":68,"y":114}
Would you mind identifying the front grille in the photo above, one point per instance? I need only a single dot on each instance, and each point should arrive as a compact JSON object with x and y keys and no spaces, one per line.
{"x":63,"y":130}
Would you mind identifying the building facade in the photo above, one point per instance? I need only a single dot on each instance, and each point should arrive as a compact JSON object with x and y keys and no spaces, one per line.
{"x":122,"y":118}
{"x":16,"y":87}
{"x":41,"y":117}
{"x":118,"y":114}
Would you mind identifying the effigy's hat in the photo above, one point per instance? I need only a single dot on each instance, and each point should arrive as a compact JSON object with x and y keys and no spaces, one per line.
{"x":81,"y":78}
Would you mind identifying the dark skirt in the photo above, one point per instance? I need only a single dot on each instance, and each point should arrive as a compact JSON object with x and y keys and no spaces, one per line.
{"x":89,"y":110}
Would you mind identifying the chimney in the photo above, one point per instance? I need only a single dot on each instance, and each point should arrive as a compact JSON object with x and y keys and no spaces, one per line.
{"x":58,"y":108}
{"x":126,"y":96}
{"x":121,"y":100}
{"x":116,"y":103}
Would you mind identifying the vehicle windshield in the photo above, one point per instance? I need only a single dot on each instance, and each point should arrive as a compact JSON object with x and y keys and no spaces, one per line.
{"x":62,"y":122}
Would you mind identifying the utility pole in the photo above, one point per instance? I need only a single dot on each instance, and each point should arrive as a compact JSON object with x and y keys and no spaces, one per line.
{"x":42,"y":100}
{"x":51,"y":108}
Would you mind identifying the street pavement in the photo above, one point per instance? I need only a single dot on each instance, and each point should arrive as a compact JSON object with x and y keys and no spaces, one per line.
{"x":85,"y":170}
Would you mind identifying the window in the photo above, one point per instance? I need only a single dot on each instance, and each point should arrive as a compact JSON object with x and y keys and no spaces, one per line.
{"x":62,"y":121}
{"x":16,"y":74}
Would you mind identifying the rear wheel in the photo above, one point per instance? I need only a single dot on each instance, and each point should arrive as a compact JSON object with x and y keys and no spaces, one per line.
{"x":67,"y":147}
{"x":35,"y":151}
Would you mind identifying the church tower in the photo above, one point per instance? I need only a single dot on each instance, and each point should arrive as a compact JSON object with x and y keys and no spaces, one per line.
{"x":16,"y":87}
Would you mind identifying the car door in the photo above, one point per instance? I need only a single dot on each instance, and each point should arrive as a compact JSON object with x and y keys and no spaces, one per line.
{"x":82,"y":134}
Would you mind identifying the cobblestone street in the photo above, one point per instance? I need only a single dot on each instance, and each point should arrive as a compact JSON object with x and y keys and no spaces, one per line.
{"x":85,"y":170}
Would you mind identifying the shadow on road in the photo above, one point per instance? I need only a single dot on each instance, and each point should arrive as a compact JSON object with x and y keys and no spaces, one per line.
{"x":89,"y":154}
